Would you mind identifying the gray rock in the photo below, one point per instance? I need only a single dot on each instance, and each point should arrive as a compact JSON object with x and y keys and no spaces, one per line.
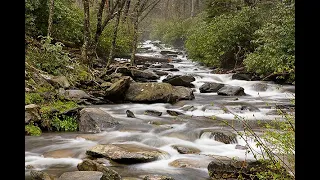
{"x":242,"y":76}
{"x":117,"y":89}
{"x":182,"y":149}
{"x":126,"y":153}
{"x":210,"y":87}
{"x":261,"y":87}
{"x":32,"y":113}
{"x":223,"y":136}
{"x":180,"y":80}
{"x":160,"y":73}
{"x":95,"y":120}
{"x":174,"y":113}
{"x":90,"y":165}
{"x":228,"y":90}
{"x":146,"y":74}
{"x":153,"y":113}
{"x":40,"y":175}
{"x":59,"y":81}
{"x":189,"y":163}
{"x":130,"y":114}
{"x":156,"y":177}
{"x":81,"y":175}
{"x":75,"y":94}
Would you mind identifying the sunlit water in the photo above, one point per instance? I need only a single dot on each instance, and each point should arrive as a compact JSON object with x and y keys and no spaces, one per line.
{"x":168,"y":131}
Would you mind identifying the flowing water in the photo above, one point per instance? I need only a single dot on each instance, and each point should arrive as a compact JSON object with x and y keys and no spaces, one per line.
{"x":56,"y":153}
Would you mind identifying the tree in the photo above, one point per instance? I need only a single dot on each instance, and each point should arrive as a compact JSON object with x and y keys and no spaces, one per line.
{"x":51,"y":8}
{"x":141,"y":9}
{"x":87,"y":35}
{"x":115,"y":31}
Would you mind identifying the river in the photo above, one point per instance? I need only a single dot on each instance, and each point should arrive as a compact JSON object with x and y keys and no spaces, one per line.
{"x":56,"y":153}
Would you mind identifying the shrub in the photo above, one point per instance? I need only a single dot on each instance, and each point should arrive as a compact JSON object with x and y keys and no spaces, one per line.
{"x":33,"y":98}
{"x":32,"y":130}
{"x":225,"y":40}
{"x":67,"y":123}
{"x":275,"y":52}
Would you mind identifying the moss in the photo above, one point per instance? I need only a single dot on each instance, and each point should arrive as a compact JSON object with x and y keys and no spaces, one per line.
{"x":33,"y":98}
{"x":59,"y":105}
{"x":66,"y":123}
{"x":32,"y":130}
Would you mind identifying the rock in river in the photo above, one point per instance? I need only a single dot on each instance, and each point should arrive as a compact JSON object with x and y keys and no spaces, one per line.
{"x":126,"y":153}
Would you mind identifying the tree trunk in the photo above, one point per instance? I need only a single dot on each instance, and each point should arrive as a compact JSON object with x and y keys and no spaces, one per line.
{"x":135,"y":40}
{"x":192,"y":8}
{"x":86,"y":31}
{"x":51,"y":8}
{"x":126,"y":10}
{"x":114,"y":37}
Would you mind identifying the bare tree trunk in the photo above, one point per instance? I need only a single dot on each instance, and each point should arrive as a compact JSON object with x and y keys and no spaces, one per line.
{"x":51,"y":8}
{"x":86,"y":31}
{"x":135,"y":40}
{"x":114,"y":37}
{"x":126,"y":11}
{"x":192,"y":8}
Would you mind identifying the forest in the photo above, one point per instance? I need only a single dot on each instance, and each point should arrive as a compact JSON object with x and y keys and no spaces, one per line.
{"x":155,"y":79}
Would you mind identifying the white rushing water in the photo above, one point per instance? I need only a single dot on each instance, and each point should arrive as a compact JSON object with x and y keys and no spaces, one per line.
{"x":169,"y":130}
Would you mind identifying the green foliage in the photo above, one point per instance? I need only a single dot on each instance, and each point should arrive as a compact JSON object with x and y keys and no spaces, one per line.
{"x":218,"y":7}
{"x":67,"y":19}
{"x":32,"y":130}
{"x":67,"y":123}
{"x":49,"y":57}
{"x":123,"y":43}
{"x":33,"y":98}
{"x":174,"y":31}
{"x":225,"y":39}
{"x":275,"y":52}
{"x":59,"y":105}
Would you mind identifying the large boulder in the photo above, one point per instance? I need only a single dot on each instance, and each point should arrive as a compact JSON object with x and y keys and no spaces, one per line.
{"x":230,"y":168}
{"x":81,"y":175}
{"x":157,"y":92}
{"x":59,"y":81}
{"x":107,"y":173}
{"x":95,"y":120}
{"x":180,"y":80}
{"x":160,"y":73}
{"x":75,"y":94}
{"x":182,"y":93}
{"x":32,"y":113}
{"x":228,"y":90}
{"x":126,"y":153}
{"x":146,"y":74}
{"x":117,"y":89}
{"x":210,"y":87}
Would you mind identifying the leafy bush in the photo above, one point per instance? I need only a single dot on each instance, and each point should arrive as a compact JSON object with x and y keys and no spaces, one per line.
{"x":224,"y":40}
{"x":67,"y":123}
{"x":49,"y":57}
{"x":33,"y":98}
{"x":32,"y":130}
{"x":275,"y":52}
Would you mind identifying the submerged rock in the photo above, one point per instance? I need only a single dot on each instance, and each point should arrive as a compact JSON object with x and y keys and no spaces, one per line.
{"x":153,"y":113}
{"x":189,"y":163}
{"x":228,"y":90}
{"x":95,"y":120}
{"x":210,"y":87}
{"x":174,"y":113}
{"x":156,"y":177}
{"x":126,"y":153}
{"x":182,"y":149}
{"x":223,"y":136}
{"x":130,"y":114}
